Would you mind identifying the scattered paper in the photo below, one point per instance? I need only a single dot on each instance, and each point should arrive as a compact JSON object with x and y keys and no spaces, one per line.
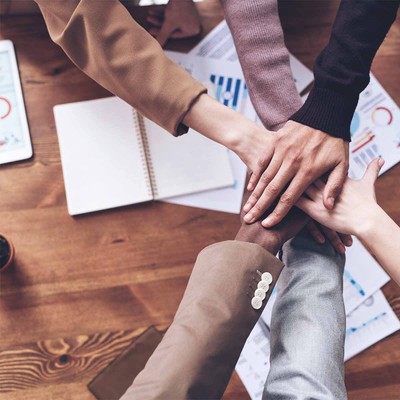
{"x":368,"y":324}
{"x":253,"y":364}
{"x":375,"y":130}
{"x":362,"y":277}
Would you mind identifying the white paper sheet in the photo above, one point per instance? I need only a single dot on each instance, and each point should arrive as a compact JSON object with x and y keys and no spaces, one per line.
{"x":375,"y":130}
{"x":368,"y":324}
{"x":362,"y":277}
{"x":253,"y":364}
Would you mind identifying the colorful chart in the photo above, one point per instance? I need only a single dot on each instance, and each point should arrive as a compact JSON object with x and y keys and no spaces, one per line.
{"x":231,"y":92}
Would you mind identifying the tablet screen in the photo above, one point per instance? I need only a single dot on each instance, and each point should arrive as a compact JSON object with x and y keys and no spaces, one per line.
{"x":11,"y":131}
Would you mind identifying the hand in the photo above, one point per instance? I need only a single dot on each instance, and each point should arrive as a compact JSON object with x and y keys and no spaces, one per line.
{"x":301,"y":155}
{"x":252,"y":143}
{"x":177,"y":20}
{"x":353,"y":207}
{"x":272,"y":239}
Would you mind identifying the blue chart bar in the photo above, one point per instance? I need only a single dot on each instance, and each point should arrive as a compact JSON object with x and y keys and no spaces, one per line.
{"x":355,"y":284}
{"x":236,"y":94}
{"x":227,"y":93}
{"x":219,"y":88}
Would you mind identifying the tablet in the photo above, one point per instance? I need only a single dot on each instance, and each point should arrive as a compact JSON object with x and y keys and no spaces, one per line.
{"x":15,"y":142}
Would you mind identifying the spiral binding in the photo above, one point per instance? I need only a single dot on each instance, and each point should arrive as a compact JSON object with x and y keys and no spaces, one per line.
{"x":145,"y":155}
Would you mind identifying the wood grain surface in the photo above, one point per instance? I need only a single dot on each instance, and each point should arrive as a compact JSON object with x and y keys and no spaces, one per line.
{"x":83,"y":288}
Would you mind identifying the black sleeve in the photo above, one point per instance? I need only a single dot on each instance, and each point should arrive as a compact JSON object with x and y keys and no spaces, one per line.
{"x":342,"y":69}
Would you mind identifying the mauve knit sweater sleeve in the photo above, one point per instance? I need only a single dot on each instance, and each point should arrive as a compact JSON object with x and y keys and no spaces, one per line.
{"x":259,"y":41}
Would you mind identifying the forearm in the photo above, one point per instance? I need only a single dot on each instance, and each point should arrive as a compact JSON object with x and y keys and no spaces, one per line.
{"x":103,"y":40}
{"x":259,"y":40}
{"x":198,"y":353}
{"x":381,"y":235}
{"x":227,"y":127}
{"x":342,"y":69}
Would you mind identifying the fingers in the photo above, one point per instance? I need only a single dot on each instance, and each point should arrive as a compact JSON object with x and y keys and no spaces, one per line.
{"x":157,"y":22}
{"x":256,"y":174}
{"x":287,"y":200}
{"x":335,"y":240}
{"x":372,"y":172}
{"x":165,"y":33}
{"x":263,"y":182}
{"x":334,"y":185}
{"x":313,"y":192}
{"x":315,"y":232}
{"x":268,"y":196}
{"x":347,"y":240}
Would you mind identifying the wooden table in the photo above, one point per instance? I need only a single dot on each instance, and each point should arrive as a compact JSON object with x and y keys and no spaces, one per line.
{"x":83,"y":288}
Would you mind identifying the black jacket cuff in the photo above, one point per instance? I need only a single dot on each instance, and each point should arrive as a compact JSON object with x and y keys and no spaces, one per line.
{"x":328,"y":111}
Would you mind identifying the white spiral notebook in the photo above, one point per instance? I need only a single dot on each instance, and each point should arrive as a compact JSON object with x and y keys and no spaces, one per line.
{"x":111,"y":156}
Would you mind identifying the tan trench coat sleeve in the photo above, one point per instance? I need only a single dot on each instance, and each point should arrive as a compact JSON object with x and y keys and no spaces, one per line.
{"x":199,"y":351}
{"x":105,"y":42}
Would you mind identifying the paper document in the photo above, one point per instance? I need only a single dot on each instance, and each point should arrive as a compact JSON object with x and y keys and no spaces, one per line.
{"x":368,"y":324}
{"x":362,"y":276}
{"x":375,"y":130}
{"x":253,"y":364}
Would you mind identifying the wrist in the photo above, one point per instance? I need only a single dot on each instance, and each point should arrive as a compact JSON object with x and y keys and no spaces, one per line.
{"x":219,"y":123}
{"x":269,"y":240}
{"x":366,"y":229}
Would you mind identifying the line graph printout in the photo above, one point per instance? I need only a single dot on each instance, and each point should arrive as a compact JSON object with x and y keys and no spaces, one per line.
{"x":363,"y":276}
{"x":369,"y":323}
{"x":375,"y":130}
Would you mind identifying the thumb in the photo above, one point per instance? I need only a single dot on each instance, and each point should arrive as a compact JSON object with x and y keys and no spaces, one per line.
{"x":334,"y":185}
{"x":165,"y":32}
{"x":372,"y":172}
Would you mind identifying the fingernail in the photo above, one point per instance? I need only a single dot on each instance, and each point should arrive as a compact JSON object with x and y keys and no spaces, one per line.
{"x":246,"y":207}
{"x":341,"y":249}
{"x":268,"y":221}
{"x":249,"y":187}
{"x":349,"y":242}
{"x":248,"y":217}
{"x":321,"y":239}
{"x":381,"y":162}
{"x":331,"y":202}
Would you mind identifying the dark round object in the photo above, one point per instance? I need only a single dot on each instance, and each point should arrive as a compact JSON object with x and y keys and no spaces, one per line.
{"x":5,"y":251}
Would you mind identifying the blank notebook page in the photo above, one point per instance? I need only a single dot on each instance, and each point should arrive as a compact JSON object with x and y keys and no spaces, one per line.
{"x":101,"y":160}
{"x":186,"y":164}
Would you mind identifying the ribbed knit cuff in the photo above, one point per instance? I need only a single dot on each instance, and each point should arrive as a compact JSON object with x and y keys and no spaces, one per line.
{"x":327,"y":111}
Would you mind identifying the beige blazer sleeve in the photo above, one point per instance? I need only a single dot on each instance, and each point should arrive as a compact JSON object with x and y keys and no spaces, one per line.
{"x":105,"y":42}
{"x":199,"y":351}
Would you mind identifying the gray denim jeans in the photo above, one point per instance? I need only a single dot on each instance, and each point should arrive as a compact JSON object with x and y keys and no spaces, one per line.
{"x":308,"y":325}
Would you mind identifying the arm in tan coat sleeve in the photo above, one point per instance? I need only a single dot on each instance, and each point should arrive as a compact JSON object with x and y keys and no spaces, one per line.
{"x":105,"y":42}
{"x":198,"y":353}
